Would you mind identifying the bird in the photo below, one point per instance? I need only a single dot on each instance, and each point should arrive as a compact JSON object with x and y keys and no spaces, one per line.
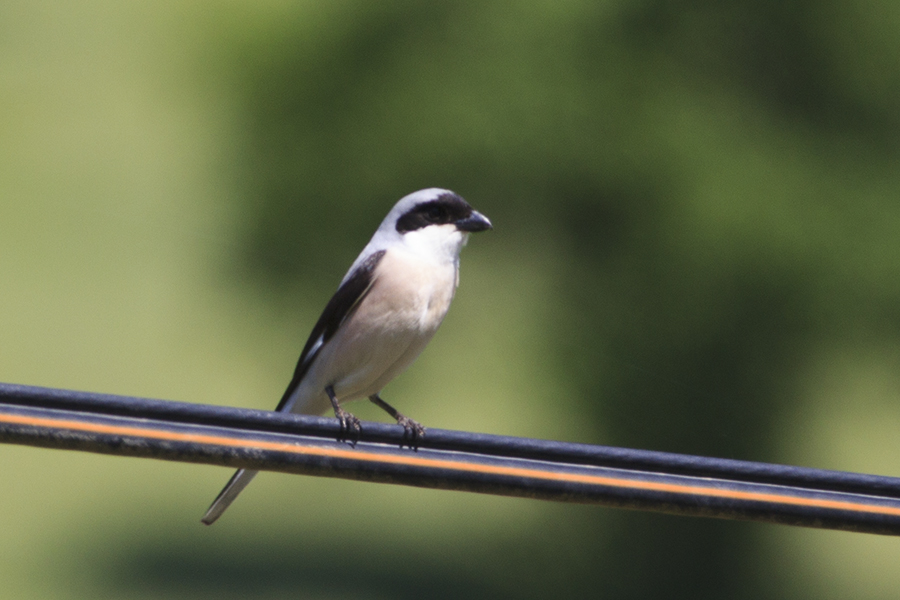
{"x":385,"y":311}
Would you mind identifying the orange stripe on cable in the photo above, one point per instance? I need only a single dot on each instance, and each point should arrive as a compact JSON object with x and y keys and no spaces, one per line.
{"x":415,"y":461}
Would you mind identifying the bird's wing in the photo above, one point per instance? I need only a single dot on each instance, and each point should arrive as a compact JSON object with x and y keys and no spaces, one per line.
{"x":341,"y":306}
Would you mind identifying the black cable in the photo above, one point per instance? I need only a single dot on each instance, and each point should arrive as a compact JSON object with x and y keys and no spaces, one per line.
{"x":450,"y":460}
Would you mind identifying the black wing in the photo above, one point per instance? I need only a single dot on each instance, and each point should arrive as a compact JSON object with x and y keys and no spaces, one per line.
{"x":341,"y":306}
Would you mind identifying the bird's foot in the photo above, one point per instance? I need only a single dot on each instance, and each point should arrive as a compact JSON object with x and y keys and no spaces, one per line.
{"x":412,"y":430}
{"x":349,"y":424}
{"x":348,"y":421}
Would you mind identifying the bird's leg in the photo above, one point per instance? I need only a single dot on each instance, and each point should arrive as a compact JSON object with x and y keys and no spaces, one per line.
{"x":412,"y":429}
{"x":347,"y":420}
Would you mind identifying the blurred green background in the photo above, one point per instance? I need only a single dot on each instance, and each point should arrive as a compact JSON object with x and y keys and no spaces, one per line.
{"x":696,"y":249}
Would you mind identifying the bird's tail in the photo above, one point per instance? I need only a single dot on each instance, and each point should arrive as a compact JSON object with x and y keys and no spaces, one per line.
{"x":235,"y":486}
{"x":290,"y":402}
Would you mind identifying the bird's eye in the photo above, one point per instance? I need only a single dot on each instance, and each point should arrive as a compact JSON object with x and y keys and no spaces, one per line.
{"x":436,"y":214}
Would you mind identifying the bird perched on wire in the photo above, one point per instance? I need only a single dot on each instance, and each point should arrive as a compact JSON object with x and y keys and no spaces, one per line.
{"x":387,"y":308}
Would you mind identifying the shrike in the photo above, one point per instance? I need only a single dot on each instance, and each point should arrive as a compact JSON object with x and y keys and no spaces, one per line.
{"x":385,"y":311}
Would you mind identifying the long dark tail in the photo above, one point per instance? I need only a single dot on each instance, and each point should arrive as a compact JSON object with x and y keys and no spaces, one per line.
{"x":235,"y":486}
{"x":243,"y":477}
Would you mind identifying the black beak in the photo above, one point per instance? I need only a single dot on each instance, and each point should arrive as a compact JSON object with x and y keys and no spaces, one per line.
{"x":474,"y":223}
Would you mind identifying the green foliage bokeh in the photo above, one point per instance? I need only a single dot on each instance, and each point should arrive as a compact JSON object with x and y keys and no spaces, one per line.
{"x":695,"y":250}
{"x":717,"y":182}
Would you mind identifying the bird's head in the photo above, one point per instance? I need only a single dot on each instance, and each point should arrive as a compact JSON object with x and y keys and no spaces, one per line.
{"x":433,"y":222}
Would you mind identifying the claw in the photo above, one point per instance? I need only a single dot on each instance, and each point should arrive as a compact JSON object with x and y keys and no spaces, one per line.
{"x":348,"y":422}
{"x":412,"y":429}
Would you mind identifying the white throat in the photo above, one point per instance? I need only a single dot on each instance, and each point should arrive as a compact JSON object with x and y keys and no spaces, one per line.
{"x":438,"y":243}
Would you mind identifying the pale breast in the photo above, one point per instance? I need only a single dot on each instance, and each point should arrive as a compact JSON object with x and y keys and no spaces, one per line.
{"x":388,"y":330}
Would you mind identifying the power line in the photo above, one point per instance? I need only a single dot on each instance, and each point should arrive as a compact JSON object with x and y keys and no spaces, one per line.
{"x":453,"y":460}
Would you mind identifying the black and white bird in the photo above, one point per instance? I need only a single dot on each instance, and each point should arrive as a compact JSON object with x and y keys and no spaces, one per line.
{"x":387,"y":308}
